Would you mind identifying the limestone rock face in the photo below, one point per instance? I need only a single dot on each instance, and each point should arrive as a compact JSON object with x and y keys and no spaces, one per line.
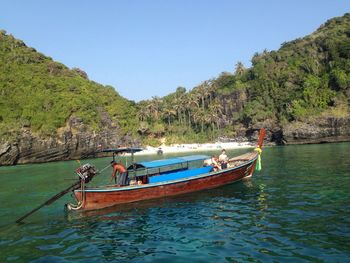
{"x":320,"y":130}
{"x":8,"y":153}
{"x":75,"y":141}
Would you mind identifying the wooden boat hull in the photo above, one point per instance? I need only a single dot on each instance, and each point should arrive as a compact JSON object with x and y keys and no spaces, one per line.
{"x":98,"y":198}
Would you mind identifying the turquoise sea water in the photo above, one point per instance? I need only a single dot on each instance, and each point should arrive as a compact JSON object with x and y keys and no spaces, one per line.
{"x":297,"y":209}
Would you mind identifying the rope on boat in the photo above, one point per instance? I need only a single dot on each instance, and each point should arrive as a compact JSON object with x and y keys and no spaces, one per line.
{"x":104,"y":169}
{"x":80,"y":204}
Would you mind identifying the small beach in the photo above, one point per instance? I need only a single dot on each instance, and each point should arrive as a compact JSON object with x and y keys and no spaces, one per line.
{"x":183,"y":148}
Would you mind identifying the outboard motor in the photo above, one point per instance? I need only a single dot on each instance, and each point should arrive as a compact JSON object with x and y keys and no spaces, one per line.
{"x":86,"y":172}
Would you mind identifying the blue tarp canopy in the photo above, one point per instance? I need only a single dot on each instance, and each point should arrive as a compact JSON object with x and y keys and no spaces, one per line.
{"x":172,"y":161}
{"x":180,"y":175}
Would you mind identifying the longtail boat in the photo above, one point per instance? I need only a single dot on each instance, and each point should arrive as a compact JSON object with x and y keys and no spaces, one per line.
{"x":162,"y":178}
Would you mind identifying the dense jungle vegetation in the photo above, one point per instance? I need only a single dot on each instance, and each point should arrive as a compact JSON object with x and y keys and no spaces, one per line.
{"x":305,"y":78}
{"x":40,"y":94}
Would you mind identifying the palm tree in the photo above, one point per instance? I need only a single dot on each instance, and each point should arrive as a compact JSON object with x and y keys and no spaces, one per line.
{"x":202,"y":96}
{"x":212,"y":88}
{"x":215,"y":112}
{"x":199,"y":117}
{"x":179,"y":107}
{"x":211,"y":118}
{"x":206,"y":90}
{"x":239,"y":69}
{"x":155,"y":106}
{"x":143,"y":111}
{"x":150,"y":108}
{"x":169,"y":112}
{"x":191,"y":102}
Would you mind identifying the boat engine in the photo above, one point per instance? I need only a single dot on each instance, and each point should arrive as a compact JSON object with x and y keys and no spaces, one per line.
{"x":86,"y":172}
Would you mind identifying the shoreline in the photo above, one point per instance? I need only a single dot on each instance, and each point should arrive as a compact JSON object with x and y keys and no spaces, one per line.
{"x":195,"y":147}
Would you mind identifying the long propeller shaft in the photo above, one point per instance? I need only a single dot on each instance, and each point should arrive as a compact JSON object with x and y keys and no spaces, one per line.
{"x":50,"y":201}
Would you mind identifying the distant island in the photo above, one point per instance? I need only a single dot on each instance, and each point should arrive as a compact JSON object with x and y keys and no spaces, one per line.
{"x":299,"y":93}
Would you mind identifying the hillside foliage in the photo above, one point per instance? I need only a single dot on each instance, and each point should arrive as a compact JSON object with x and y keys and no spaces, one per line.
{"x":40,"y":94}
{"x":305,"y":78}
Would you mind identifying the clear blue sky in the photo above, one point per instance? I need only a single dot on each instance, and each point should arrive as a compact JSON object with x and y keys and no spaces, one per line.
{"x":149,"y":48}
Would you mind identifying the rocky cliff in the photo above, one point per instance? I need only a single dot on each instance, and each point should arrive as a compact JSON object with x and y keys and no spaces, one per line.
{"x":320,"y":130}
{"x":74,"y":141}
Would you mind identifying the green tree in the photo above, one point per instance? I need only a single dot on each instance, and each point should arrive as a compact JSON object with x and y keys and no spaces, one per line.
{"x":169,"y":112}
{"x":239,"y":69}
